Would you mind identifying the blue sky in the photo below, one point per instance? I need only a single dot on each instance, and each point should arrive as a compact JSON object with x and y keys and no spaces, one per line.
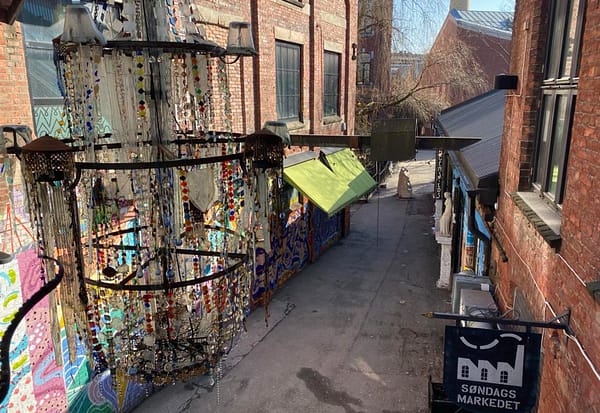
{"x":419,"y":25}
{"x":493,"y":5}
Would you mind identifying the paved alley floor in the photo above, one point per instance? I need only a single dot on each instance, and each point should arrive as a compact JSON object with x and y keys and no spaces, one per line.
{"x":346,"y":334}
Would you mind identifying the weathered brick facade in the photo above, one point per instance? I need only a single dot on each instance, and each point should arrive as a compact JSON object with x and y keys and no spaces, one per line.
{"x":16,"y":110}
{"x":545,"y":278}
{"x":316,"y":26}
{"x":491,"y":52}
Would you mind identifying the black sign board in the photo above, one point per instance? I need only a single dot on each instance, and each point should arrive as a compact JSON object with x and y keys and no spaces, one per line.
{"x":489,"y":371}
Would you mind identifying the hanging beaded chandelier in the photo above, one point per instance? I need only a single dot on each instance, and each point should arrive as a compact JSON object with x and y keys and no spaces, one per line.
{"x":159,"y":217}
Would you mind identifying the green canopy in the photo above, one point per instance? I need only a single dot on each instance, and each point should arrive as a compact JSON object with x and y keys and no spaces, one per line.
{"x":345,"y":164}
{"x":325,"y":189}
{"x":331,"y":189}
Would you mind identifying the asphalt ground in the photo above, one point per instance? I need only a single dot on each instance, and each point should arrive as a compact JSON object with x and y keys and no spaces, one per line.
{"x":346,"y":334}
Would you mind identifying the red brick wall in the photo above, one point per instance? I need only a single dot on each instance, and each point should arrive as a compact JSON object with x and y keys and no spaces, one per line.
{"x":16,"y":109}
{"x":252,"y":82}
{"x":491,"y":53}
{"x":14,"y":91}
{"x":547,"y":278}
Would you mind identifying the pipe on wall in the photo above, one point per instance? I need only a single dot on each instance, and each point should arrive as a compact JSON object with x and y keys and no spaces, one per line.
{"x":472,"y":226}
{"x":347,"y":70}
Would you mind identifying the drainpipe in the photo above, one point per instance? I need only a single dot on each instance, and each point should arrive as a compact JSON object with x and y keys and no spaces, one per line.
{"x":348,"y":53}
{"x":472,"y":225}
{"x":256,"y":64}
{"x":312,"y":64}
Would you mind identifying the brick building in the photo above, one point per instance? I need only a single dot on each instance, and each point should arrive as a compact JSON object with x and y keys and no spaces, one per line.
{"x":304,"y":75}
{"x":487,"y":34}
{"x":374,"y":45}
{"x":547,"y":216}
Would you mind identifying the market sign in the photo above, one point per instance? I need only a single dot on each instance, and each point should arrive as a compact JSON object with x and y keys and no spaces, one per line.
{"x":491,"y":370}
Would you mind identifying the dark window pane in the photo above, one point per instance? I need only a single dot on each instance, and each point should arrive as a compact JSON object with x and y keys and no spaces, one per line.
{"x":568,"y":51}
{"x":557,"y":143}
{"x":543,"y":146}
{"x":331,"y":70}
{"x":287,"y":80}
{"x":555,"y":51}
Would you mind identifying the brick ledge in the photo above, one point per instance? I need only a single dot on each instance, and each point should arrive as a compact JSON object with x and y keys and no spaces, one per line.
{"x":539,"y":215}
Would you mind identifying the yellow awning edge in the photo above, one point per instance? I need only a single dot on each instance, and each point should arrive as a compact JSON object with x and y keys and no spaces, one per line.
{"x":318,"y":183}
{"x":345,"y":164}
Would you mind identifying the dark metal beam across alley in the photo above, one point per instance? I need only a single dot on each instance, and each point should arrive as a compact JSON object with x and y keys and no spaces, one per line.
{"x":449,"y":143}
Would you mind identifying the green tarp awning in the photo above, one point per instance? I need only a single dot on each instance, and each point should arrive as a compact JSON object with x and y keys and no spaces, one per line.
{"x":331,"y":190}
{"x":345,"y":164}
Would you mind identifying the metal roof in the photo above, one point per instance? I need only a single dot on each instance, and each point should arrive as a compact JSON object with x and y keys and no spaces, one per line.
{"x":494,"y":23}
{"x":482,"y":116}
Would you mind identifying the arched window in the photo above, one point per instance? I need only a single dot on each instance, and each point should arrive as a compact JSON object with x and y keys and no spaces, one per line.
{"x":484,"y":374}
{"x":503,"y":377}
{"x":464,"y":371}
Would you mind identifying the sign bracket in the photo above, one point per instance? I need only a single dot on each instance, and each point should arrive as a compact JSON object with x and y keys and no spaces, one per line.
{"x":560,"y":322}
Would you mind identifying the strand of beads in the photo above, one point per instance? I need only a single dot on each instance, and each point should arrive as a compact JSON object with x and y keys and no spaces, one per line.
{"x":200,"y":97}
{"x":141,"y":98}
{"x":206,"y":297}
{"x":187,"y":218}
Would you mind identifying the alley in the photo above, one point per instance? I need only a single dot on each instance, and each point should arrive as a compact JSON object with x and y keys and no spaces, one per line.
{"x":346,"y":334}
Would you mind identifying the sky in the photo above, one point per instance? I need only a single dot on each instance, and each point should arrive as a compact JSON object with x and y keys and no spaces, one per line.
{"x":493,"y":5}
{"x":422,"y":19}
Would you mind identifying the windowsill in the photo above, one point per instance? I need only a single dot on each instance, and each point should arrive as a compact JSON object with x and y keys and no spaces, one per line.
{"x":295,"y":3}
{"x":294,"y":125}
{"x":544,"y":218}
{"x":328,"y":120}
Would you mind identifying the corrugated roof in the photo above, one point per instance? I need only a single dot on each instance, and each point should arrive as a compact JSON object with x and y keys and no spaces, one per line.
{"x":482,"y":116}
{"x":494,"y":23}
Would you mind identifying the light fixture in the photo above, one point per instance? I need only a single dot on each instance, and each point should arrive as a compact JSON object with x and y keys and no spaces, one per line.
{"x":80,"y":27}
{"x":47,"y":159}
{"x":503,"y":81}
{"x":12,"y":327}
{"x":239,"y":42}
{"x":280,"y":129}
{"x":265,"y":149}
{"x":354,"y":48}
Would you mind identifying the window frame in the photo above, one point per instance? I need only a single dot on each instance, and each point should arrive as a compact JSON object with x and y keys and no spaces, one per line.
{"x":550,"y":147}
{"x":283,"y":99}
{"x":331,"y":108}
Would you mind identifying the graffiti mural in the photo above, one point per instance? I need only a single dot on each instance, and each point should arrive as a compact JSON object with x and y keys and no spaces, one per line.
{"x":326,"y":231}
{"x":289,"y":253}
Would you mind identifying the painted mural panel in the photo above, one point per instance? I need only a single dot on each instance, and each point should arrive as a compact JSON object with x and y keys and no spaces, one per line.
{"x":326,"y":231}
{"x":289,"y":253}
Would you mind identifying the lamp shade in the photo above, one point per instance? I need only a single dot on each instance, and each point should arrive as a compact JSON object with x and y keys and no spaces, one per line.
{"x":47,"y":159}
{"x":80,"y":27}
{"x":265,"y":149}
{"x":280,"y":129}
{"x":239,"y":40}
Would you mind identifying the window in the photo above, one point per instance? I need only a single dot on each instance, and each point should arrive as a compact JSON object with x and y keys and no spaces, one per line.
{"x":41,"y":22}
{"x":559,"y":95}
{"x":464,"y":371}
{"x":484,"y":374}
{"x":287,"y":57}
{"x":363,"y":77}
{"x":331,"y":84}
{"x":503,"y":377}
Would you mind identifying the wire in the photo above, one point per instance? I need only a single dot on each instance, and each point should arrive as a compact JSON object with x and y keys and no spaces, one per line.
{"x":548,"y":305}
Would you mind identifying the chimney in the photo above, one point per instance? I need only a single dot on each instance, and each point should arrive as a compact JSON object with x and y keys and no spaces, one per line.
{"x":459,"y":4}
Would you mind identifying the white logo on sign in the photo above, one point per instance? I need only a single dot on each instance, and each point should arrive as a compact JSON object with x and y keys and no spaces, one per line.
{"x":485,"y":372}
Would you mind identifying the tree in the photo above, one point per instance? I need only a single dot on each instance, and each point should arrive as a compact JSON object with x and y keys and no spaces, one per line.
{"x":413,"y":93}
